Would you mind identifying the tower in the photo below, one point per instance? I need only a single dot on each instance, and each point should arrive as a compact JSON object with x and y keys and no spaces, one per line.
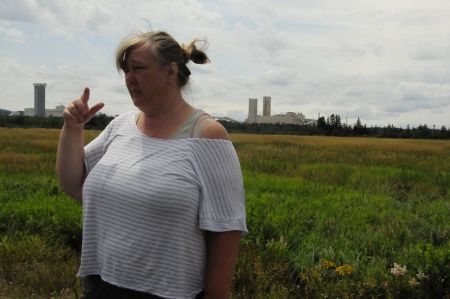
{"x":266,"y":106}
{"x":39,"y":99}
{"x":252,"y":110}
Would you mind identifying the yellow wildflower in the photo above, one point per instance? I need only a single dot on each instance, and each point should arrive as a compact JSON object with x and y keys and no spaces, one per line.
{"x":327,"y":264}
{"x":316,"y":274}
{"x":345,"y":269}
{"x":303,"y":276}
{"x":413,"y":282}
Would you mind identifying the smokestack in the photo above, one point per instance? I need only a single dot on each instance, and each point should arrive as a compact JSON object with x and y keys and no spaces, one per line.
{"x":39,"y":99}
{"x":252,"y":110}
{"x":266,"y":106}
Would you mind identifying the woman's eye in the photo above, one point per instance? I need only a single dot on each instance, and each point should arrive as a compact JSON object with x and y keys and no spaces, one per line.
{"x":137,"y":69}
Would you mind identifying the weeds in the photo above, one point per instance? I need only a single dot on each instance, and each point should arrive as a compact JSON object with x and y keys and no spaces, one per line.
{"x":328,"y":217}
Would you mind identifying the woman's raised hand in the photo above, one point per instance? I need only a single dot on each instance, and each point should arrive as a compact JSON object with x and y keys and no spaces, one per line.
{"x":78,"y":112}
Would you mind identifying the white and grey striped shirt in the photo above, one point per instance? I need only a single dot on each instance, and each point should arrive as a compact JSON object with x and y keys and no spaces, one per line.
{"x":147,"y":203}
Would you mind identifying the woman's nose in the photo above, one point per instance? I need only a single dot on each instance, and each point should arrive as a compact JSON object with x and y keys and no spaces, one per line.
{"x":129,"y":77}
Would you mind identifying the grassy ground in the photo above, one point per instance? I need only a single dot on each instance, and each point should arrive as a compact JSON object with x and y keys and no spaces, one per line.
{"x":328,"y":218}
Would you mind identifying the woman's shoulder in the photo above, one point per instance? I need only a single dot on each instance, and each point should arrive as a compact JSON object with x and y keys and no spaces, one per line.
{"x":212,"y":129}
{"x":209,"y":128}
{"x":210,"y":139}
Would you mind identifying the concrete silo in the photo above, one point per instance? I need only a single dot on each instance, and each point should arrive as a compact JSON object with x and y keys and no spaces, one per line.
{"x":39,"y":99}
{"x":252,"y":110}
{"x":266,"y":105}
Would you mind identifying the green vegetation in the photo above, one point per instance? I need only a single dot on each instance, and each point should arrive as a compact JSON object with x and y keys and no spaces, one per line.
{"x":328,"y":217}
{"x":98,"y":122}
{"x":332,"y":126}
{"x":40,"y":228}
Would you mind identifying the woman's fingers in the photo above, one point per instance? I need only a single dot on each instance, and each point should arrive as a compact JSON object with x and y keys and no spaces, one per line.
{"x":93,"y":110}
{"x":85,"y":96}
{"x":75,"y":111}
{"x":78,"y":112}
{"x":84,"y":100}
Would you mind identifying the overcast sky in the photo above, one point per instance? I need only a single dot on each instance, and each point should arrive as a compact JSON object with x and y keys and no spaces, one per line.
{"x":385,"y":61}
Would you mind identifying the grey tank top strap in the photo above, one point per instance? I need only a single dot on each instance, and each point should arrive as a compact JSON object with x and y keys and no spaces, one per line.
{"x":187,"y":130}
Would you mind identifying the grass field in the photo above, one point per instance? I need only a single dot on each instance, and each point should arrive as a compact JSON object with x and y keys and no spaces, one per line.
{"x":328,"y":218}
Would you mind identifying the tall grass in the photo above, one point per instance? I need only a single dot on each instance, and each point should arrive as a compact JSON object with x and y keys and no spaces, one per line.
{"x":40,"y":228}
{"x":319,"y":205}
{"x":328,"y":218}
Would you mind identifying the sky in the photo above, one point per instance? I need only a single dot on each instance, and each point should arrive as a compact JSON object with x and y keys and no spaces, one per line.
{"x":386,"y":62}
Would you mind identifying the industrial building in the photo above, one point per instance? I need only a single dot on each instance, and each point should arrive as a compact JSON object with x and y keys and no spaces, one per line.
{"x":39,"y":99}
{"x":288,"y":118}
{"x":39,"y":104}
{"x":56,"y":112}
{"x":252,"y":111}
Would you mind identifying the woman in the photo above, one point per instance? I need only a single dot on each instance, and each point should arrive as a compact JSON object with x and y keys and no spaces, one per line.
{"x":162,"y":192}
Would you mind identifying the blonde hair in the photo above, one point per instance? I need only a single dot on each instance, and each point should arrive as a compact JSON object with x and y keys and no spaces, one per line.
{"x":166,"y":50}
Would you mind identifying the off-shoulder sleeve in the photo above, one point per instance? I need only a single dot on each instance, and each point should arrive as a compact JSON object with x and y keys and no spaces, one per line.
{"x":222,"y":201}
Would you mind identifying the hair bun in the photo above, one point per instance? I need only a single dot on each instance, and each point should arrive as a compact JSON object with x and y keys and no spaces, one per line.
{"x":191,"y":52}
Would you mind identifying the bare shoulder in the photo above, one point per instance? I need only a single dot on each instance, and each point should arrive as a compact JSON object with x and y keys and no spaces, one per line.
{"x":212,"y":129}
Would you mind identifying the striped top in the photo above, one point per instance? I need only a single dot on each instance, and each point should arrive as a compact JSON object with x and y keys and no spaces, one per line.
{"x":147,"y":203}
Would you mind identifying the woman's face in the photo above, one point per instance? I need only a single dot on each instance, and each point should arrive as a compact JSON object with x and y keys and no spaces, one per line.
{"x":145,"y":78}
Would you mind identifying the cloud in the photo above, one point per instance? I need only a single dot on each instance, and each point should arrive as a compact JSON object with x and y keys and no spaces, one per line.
{"x":353,"y":50}
{"x":64,"y":84}
{"x":378,"y":60}
{"x":431,"y":51}
{"x":413,"y":96}
{"x":277,"y":76}
{"x":180,"y":16}
{"x":12,"y":33}
{"x":88,"y":15}
{"x":19,"y":10}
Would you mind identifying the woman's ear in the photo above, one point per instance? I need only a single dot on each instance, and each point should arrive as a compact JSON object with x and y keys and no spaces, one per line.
{"x":172,"y":73}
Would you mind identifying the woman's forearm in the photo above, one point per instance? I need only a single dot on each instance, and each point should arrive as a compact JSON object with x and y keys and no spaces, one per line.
{"x":222,"y":251}
{"x":70,"y":161}
{"x":70,"y":156}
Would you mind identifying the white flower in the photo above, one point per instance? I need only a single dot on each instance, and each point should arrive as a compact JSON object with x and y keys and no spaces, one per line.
{"x":421,"y":275}
{"x":398,"y":270}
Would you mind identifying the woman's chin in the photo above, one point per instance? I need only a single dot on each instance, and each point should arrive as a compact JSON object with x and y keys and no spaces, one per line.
{"x":137,"y":101}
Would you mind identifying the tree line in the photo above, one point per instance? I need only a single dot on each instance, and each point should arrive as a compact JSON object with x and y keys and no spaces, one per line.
{"x":98,"y":122}
{"x":330,"y":126}
{"x":333,"y":126}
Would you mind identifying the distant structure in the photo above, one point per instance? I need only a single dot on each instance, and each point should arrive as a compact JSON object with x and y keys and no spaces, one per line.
{"x":266,"y":106}
{"x":39,"y":105}
{"x":26,"y":112}
{"x":288,"y":118}
{"x":57,"y":111}
{"x":252,"y":110}
{"x":39,"y":99}
{"x":5,"y":112}
{"x":225,"y":119}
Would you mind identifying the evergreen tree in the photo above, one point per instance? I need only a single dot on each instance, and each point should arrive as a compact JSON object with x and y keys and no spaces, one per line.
{"x":321,"y":123}
{"x":358,"y":128}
